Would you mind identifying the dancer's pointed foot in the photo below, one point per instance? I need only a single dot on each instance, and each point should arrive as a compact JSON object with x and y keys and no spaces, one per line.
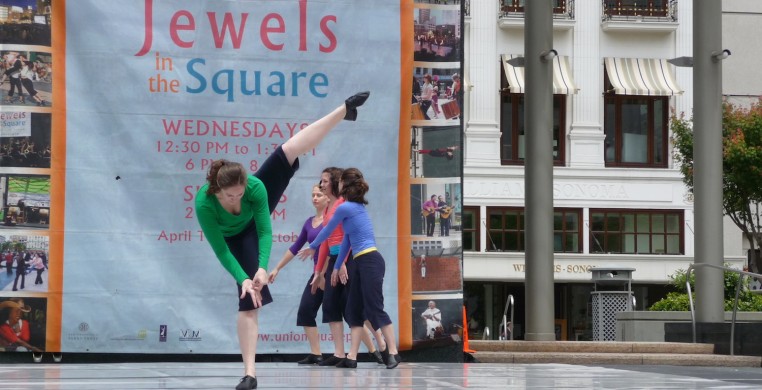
{"x":353,"y":102}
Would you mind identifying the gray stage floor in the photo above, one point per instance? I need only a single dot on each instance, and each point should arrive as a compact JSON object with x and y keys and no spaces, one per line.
{"x":372,"y":376}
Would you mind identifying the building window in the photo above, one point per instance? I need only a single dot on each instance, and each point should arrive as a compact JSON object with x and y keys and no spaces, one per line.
{"x":636,"y":130}
{"x":637,"y":232}
{"x":506,"y":230}
{"x":508,"y":7}
{"x":566,"y":230}
{"x":470,"y":223}
{"x":512,"y":136}
{"x":647,"y":8}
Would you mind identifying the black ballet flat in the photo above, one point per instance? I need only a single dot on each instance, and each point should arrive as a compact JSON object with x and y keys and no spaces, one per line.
{"x":377,"y":357}
{"x":311,"y":359}
{"x":347,"y":363}
{"x":248,"y":382}
{"x":353,"y":102}
{"x":331,"y":361}
{"x":385,"y":356}
{"x":393,"y":361}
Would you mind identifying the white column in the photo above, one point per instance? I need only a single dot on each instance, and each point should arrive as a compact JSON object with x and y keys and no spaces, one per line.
{"x":586,"y":135}
{"x":482,"y":128}
{"x":684,"y":47}
{"x":483,"y":241}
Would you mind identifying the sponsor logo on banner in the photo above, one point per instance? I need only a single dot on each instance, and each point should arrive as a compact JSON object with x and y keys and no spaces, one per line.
{"x":190,"y":335}
{"x":140,"y":336}
{"x":84,"y":333}
{"x":15,"y":124}
{"x":162,"y":333}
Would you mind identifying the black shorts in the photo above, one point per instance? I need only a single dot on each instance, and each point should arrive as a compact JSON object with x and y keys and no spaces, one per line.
{"x":365,"y":299}
{"x":334,"y":297}
{"x":275,"y":173}
{"x":309,"y":306}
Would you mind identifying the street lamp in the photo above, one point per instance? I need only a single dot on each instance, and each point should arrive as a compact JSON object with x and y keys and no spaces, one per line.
{"x":687,"y":62}
{"x":545,"y":56}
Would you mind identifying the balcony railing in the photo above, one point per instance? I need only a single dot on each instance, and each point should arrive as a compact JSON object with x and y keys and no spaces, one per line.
{"x":562,"y":9}
{"x":640,"y":10}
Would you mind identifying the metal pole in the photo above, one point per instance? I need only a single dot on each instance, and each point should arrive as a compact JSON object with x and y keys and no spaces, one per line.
{"x":707,"y":154}
{"x":538,"y":170}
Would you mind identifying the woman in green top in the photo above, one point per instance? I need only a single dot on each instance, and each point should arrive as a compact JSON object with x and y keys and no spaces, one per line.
{"x":233,"y":209}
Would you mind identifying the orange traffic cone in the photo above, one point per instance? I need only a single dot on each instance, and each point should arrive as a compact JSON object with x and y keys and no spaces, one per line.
{"x":466,"y":348}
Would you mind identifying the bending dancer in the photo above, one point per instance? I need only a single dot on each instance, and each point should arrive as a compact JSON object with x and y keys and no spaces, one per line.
{"x":233,"y":209}
{"x":366,"y":297}
{"x":310,"y":303}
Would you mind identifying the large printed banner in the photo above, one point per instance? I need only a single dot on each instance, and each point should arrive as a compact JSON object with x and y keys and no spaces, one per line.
{"x":150,"y":93}
{"x":113,"y":111}
{"x":156,"y":90}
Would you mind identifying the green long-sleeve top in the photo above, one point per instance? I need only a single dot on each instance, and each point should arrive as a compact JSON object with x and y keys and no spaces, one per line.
{"x":217,"y":223}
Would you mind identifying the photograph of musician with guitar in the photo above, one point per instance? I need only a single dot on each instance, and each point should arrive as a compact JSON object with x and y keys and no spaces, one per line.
{"x":429,"y":210}
{"x":445,"y":211}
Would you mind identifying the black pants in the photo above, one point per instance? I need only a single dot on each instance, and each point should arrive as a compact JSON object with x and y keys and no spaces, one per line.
{"x":334,"y":297}
{"x":425,"y":105}
{"x":15,"y":84}
{"x":444,"y":227}
{"x":20,"y":272}
{"x":431,"y":221}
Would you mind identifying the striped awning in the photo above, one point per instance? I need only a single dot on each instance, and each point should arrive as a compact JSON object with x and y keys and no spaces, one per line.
{"x":641,"y":76}
{"x":563,"y":83}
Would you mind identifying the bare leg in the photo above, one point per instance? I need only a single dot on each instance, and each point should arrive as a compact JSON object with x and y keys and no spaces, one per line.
{"x":366,"y":339}
{"x":377,"y":335}
{"x":309,"y":137}
{"x":391,"y":341}
{"x":354,"y":347}
{"x":313,"y":338}
{"x":337,"y":331}
{"x":248,"y":333}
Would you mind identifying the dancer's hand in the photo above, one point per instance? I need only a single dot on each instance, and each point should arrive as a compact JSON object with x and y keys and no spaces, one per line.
{"x":318,"y":282}
{"x":260,"y":279}
{"x":343,"y":275}
{"x":305,"y":253}
{"x":334,"y":278}
{"x":273,"y":275}
{"x":256,"y":298}
{"x":247,"y":287}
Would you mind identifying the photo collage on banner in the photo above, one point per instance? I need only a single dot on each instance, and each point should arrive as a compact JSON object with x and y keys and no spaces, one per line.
{"x":25,"y":173}
{"x":435,"y":176}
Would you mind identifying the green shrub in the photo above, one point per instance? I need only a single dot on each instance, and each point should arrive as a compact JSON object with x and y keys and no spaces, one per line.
{"x":678,"y":300}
